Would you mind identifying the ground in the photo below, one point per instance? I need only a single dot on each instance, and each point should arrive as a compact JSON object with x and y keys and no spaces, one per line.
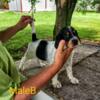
{"x":87,"y":69}
{"x":88,"y":72}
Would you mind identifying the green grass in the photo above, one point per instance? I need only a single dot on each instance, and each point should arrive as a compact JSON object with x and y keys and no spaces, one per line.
{"x":87,"y":25}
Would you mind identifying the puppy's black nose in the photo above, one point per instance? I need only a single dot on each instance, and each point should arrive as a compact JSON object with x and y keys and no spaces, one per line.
{"x":75,"y":42}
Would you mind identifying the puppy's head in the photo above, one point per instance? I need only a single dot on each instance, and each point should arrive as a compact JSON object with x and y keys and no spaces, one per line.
{"x":69,"y":34}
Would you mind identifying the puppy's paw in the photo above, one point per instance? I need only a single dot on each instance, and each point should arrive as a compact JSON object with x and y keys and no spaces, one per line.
{"x":42,"y":64}
{"x":56,"y":84}
{"x":74,"y":80}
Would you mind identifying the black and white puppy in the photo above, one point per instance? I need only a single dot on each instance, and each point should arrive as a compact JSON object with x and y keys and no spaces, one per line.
{"x":45,"y":50}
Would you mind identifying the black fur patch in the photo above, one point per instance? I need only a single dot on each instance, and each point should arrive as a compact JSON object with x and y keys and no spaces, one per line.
{"x":61,"y":36}
{"x":34,"y":38}
{"x":41,"y":51}
{"x":66,"y":34}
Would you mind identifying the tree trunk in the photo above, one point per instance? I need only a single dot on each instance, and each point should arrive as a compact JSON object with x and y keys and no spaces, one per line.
{"x":98,"y":8}
{"x":64,"y":11}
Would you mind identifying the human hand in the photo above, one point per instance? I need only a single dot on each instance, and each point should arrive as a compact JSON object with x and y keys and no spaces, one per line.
{"x":23,"y":22}
{"x":62,"y":54}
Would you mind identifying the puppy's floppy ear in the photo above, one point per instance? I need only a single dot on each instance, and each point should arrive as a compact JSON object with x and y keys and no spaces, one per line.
{"x":60,"y":36}
{"x":78,"y":36}
{"x":75,"y":33}
{"x":57,"y":40}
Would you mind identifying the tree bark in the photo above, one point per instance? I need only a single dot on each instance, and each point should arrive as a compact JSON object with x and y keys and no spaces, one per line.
{"x":64,"y":11}
{"x":98,"y":8}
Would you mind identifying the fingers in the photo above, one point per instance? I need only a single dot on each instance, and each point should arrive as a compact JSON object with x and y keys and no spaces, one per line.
{"x":26,"y":19}
{"x":67,"y":53}
{"x":61,"y":45}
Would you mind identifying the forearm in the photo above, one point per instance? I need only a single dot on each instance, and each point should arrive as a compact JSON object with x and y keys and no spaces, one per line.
{"x":21,"y":24}
{"x":37,"y":81}
{"x":40,"y":79}
{"x":8,"y":33}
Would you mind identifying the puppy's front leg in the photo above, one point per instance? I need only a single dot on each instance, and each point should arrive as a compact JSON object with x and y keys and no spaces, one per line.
{"x":42,"y":63}
{"x":69,"y":70}
{"x":55,"y":82}
{"x":24,"y":59}
{"x":22,"y":63}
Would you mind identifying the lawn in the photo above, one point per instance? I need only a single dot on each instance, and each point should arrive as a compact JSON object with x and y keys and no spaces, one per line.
{"x":88,"y":27}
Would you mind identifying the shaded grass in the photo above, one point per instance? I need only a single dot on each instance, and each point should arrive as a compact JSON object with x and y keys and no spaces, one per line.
{"x":88,"y":27}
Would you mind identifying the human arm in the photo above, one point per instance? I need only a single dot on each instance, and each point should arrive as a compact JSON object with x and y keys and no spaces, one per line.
{"x":39,"y":80}
{"x":9,"y":32}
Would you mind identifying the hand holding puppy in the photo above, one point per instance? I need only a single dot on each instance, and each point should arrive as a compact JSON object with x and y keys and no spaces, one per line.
{"x":62,"y":54}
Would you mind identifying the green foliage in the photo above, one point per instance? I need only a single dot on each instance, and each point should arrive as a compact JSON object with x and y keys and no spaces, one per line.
{"x":33,"y":2}
{"x":83,"y":5}
{"x":96,"y":2}
{"x":6,"y":0}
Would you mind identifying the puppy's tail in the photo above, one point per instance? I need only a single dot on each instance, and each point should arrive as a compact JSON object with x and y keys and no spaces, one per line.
{"x":34,"y":38}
